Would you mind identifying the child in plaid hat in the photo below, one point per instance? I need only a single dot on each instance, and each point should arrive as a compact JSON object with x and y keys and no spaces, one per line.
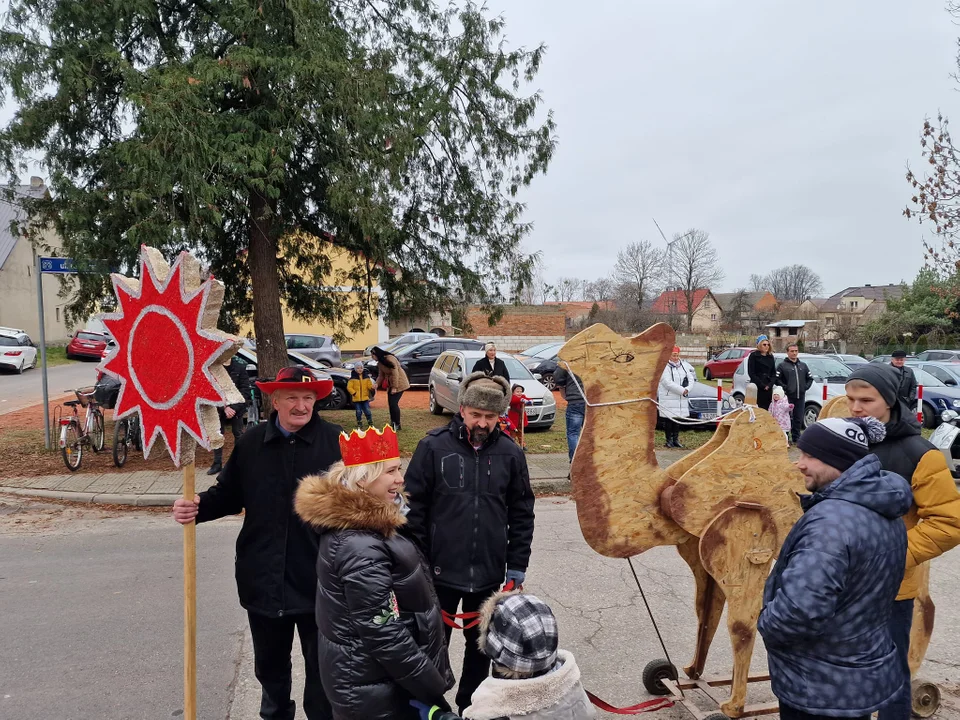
{"x":532,"y":678}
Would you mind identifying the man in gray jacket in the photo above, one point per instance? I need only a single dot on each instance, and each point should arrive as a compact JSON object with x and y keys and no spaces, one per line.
{"x":794,"y":377}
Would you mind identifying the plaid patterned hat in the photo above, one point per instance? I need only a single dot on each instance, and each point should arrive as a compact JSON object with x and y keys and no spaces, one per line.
{"x":519,"y":632}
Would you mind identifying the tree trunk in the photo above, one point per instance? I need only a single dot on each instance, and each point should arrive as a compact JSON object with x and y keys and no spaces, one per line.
{"x":265,"y":281}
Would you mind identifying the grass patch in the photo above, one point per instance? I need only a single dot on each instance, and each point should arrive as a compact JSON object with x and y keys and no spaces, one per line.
{"x":56,"y":356}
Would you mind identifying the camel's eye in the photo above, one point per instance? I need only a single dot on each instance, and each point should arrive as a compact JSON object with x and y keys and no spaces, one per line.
{"x":623,"y":357}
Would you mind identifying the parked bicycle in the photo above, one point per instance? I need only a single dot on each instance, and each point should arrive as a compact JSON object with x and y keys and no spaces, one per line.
{"x":126,"y":433}
{"x":74,"y":435}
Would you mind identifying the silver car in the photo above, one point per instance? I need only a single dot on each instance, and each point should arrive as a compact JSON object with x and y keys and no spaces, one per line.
{"x":823,"y":369}
{"x":321,"y":348}
{"x":451,"y":367}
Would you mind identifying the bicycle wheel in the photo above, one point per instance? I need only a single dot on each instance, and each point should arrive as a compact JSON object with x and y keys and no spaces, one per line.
{"x":121,"y":436}
{"x":70,"y":446}
{"x":97,"y":433}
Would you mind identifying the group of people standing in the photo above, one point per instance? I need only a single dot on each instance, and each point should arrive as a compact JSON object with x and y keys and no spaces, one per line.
{"x":364,"y":563}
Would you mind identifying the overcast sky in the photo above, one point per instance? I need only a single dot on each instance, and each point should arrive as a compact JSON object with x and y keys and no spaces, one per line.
{"x":783,"y":130}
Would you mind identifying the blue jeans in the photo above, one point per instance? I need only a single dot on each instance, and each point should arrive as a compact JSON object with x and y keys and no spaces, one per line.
{"x":575,"y":412}
{"x":364,"y":409}
{"x":901,"y":620}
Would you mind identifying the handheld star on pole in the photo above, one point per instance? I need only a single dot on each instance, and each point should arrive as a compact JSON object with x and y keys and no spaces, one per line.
{"x":169,"y":356}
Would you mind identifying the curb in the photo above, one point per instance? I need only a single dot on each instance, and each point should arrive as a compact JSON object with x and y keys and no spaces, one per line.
{"x":540,"y":486}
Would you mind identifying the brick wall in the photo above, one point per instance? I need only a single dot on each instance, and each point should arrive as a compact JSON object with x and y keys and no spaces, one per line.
{"x":520,"y":326}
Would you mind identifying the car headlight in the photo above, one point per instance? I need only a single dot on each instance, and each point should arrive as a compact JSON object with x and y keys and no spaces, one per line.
{"x":956,"y":403}
{"x":725,"y":406}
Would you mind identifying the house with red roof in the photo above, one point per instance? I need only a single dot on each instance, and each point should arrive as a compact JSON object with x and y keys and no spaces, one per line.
{"x":672,"y":304}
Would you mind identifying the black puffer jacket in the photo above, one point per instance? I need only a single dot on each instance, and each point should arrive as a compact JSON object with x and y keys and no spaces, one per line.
{"x":276,"y":551}
{"x":470,"y":510}
{"x":237,"y":369}
{"x":381,"y":633}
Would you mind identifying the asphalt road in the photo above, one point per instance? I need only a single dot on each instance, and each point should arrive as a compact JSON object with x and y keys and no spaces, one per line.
{"x":20,"y":391}
{"x":91,"y":610}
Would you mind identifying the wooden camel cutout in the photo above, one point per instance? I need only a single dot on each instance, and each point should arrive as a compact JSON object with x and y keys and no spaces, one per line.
{"x":924,"y":610}
{"x":727,"y":506}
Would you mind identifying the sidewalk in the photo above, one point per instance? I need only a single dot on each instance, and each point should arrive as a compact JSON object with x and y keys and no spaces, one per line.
{"x":144,"y":488}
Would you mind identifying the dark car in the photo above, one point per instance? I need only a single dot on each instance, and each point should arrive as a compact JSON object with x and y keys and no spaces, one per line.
{"x":86,"y":344}
{"x":937,"y":397}
{"x":544,"y":366}
{"x":338,"y":399}
{"x":888,"y":358}
{"x":417,"y":360}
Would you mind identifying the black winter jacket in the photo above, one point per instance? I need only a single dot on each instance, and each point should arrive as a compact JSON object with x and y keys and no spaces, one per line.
{"x":237,"y":369}
{"x":471,"y":511}
{"x":794,"y":378}
{"x":381,"y":639}
{"x":565,"y":381}
{"x":907,"y":385}
{"x":499,"y":367}
{"x":276,"y":551}
{"x":762,"y":370}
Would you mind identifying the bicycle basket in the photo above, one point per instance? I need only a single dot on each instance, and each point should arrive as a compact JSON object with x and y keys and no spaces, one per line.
{"x":85,"y":395}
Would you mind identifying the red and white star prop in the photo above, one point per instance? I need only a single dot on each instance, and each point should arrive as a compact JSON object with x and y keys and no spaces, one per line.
{"x":169,"y":356}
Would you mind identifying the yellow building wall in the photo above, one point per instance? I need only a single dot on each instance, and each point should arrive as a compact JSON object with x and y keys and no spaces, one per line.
{"x":376,"y":330}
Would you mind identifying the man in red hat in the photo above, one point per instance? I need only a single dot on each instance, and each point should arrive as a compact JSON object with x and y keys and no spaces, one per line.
{"x":276,"y":552}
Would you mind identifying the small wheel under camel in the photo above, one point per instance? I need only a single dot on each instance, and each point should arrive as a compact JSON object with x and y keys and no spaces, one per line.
{"x":655,"y":673}
{"x":925,"y":698}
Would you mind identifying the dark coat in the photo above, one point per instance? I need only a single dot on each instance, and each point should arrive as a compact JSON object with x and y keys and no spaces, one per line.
{"x":906,"y":385}
{"x":762,"y":370}
{"x":381,"y":639}
{"x":564,"y":380}
{"x":794,"y":378}
{"x":499,"y":367}
{"x":827,"y":603}
{"x":276,"y":551}
{"x":237,"y":370}
{"x":471,"y":511}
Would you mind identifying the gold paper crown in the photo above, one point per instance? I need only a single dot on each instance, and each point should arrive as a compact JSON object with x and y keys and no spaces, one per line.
{"x":365,"y":447}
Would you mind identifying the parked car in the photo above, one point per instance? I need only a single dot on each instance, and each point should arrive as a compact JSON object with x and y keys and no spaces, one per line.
{"x":823,"y":369}
{"x":545,"y":365}
{"x":937,"y":397}
{"x":702,"y":401}
{"x":87,"y":344}
{"x":542,"y":350}
{"x":452,"y":366}
{"x":418,"y":359}
{"x":17,"y":351}
{"x":725,"y":364}
{"x":940,"y":355}
{"x":338,"y":399}
{"x":851,"y":361}
{"x":395,"y":343}
{"x":321,"y":348}
{"x":946,"y":372}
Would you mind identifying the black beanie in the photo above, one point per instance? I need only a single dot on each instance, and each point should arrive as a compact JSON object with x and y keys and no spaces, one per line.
{"x":882,"y":377}
{"x":841,"y":442}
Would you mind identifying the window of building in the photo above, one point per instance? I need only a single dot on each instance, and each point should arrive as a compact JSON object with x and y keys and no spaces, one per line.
{"x":713,"y":316}
{"x":853,"y":305}
{"x":58,"y":314}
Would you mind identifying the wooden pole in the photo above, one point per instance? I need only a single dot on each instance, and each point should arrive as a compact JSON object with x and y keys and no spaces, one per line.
{"x":189,"y":598}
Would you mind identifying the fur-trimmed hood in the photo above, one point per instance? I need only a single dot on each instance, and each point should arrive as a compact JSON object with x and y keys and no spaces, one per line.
{"x":327,"y":505}
{"x":558,"y":694}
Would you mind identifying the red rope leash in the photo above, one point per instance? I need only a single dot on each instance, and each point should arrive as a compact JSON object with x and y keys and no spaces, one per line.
{"x":644,"y":707}
{"x":473,"y":617}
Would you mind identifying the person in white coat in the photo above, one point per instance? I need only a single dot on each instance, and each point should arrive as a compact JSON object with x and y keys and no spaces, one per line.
{"x":675,"y":383}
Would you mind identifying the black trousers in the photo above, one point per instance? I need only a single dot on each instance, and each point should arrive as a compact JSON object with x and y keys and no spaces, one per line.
{"x":476,"y":665}
{"x":272,"y":645}
{"x":236,"y":422}
{"x":790,"y":713}
{"x":393,"y":400}
{"x":796,"y":417}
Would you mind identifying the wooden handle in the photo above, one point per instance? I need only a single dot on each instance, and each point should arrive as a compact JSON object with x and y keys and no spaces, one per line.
{"x":189,"y":602}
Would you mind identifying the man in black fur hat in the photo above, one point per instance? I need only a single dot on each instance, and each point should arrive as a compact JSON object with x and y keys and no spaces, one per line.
{"x":471,"y":510}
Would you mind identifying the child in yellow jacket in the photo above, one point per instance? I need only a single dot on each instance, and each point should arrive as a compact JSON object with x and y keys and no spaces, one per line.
{"x":361,"y":389}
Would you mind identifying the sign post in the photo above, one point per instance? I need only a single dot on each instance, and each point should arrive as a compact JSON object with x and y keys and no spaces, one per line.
{"x":51,"y":266}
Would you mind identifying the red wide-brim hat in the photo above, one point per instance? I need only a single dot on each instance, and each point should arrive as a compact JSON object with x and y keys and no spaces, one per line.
{"x":303,"y":378}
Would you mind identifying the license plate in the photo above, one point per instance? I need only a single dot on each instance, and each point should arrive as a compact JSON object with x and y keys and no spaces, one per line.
{"x":531,"y":412}
{"x":708,"y":416}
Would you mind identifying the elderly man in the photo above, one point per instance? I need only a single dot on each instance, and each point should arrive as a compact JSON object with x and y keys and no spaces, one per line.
{"x":471,"y":510}
{"x":828,"y":601}
{"x":906,"y":380}
{"x":933,"y":523}
{"x":276,"y":552}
